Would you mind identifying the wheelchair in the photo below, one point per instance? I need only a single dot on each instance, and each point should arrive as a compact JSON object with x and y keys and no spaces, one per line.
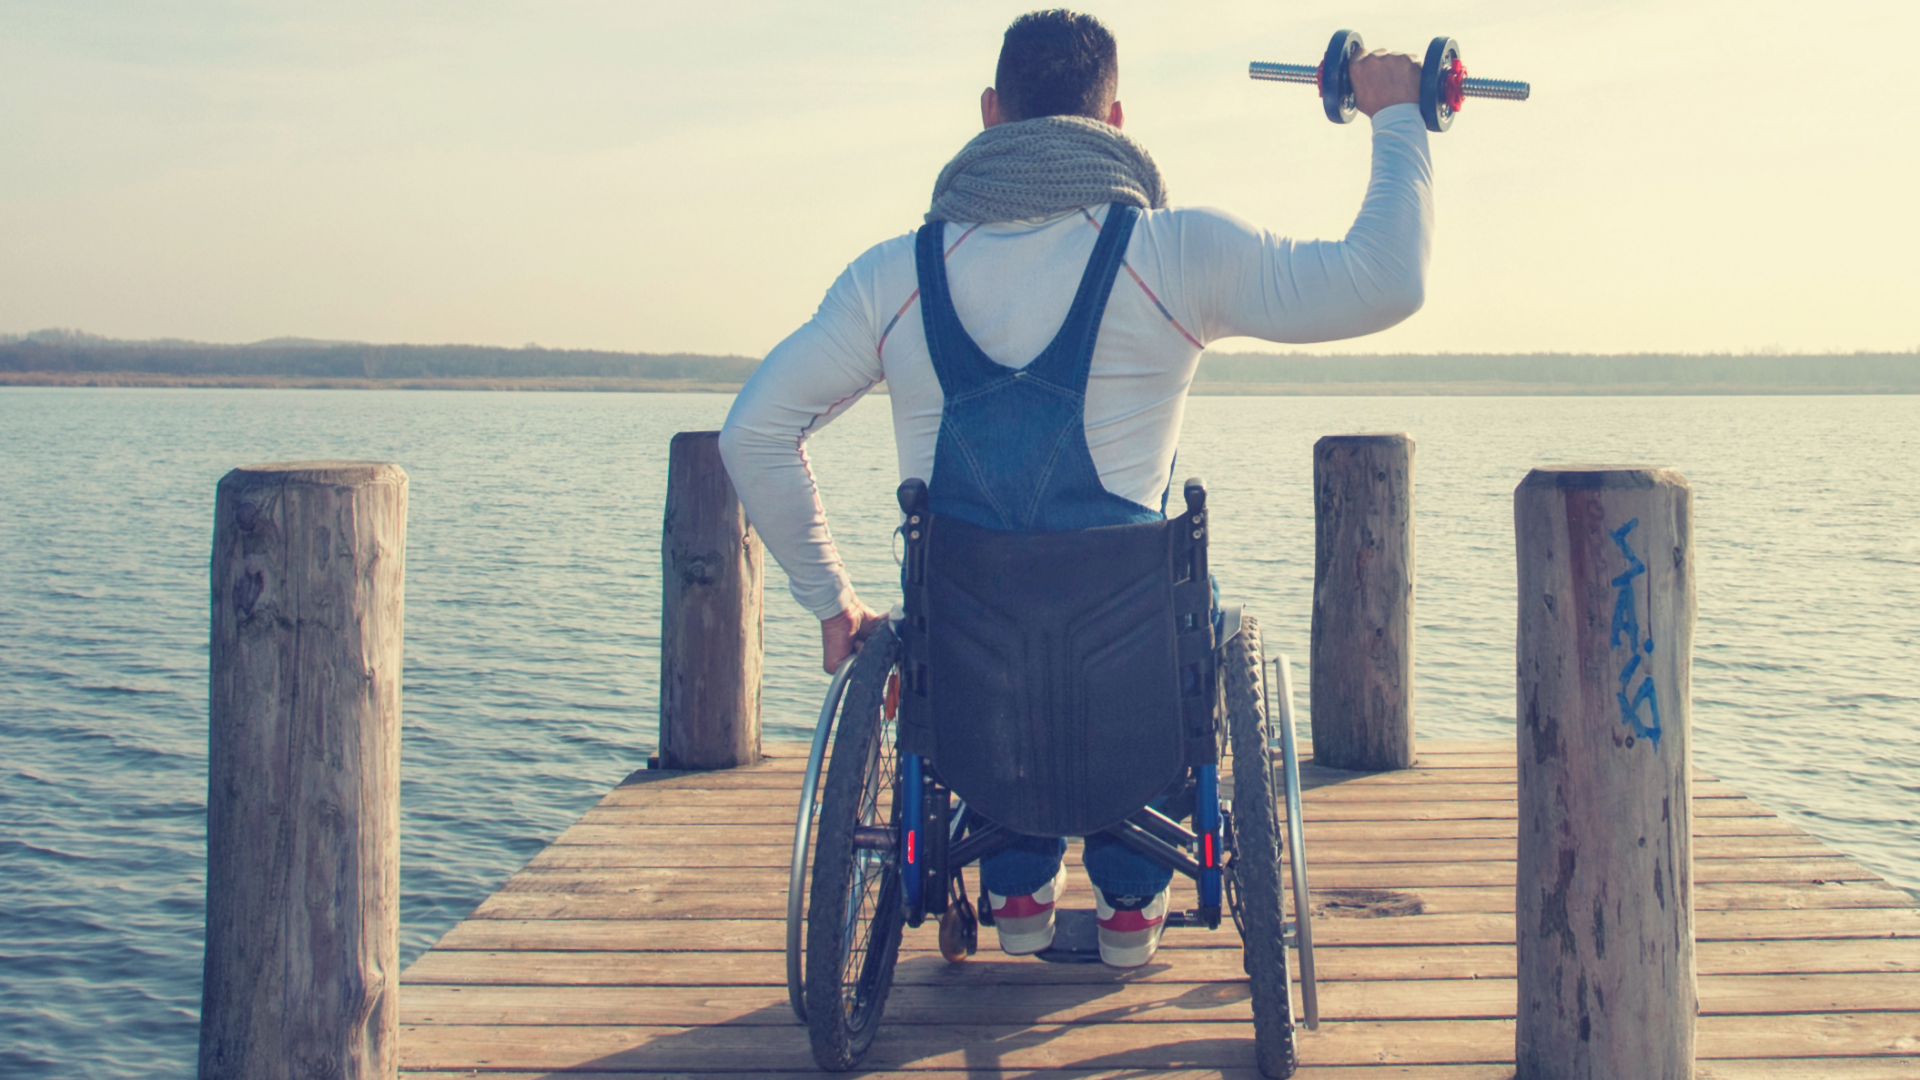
{"x":1047,"y":684}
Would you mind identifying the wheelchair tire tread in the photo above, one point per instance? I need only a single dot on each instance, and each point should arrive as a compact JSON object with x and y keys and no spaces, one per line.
{"x":1256,"y":854}
{"x":840,"y":1040}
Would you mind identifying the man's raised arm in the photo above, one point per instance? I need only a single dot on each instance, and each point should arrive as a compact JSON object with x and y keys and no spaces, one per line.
{"x":1245,"y":281}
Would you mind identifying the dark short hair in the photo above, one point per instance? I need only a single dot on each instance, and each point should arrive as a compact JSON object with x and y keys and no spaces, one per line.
{"x":1057,"y":63}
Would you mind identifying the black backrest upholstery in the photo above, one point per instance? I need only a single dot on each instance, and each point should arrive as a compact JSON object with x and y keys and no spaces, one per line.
{"x":1059,"y":681}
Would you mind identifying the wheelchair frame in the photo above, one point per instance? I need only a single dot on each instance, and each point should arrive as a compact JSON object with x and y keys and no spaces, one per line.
{"x":915,"y":858}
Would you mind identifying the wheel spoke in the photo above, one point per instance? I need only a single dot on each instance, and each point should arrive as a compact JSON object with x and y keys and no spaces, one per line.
{"x":855,"y":924}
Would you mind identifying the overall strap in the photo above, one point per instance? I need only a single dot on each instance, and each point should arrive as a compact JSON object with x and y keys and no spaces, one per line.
{"x":1068,"y":358}
{"x":962,"y":365}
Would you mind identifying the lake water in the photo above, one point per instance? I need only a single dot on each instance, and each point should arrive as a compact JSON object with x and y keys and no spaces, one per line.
{"x":533,"y":615}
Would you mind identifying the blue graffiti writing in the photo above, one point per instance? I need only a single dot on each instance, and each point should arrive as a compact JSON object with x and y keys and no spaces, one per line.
{"x":1626,"y":630}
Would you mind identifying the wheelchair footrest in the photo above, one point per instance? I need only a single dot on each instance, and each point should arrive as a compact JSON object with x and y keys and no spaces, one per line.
{"x":1076,"y":938}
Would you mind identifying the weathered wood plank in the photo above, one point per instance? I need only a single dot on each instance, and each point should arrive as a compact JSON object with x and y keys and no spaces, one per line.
{"x":1836,"y":1035}
{"x":1402,"y":804}
{"x":1826,"y":1068}
{"x":549,"y":901}
{"x":1139,"y":1046}
{"x":1424,"y":810}
{"x":1042,"y":1003}
{"x":1788,"y":957}
{"x":1797,"y":925}
{"x":1891,"y":1068}
{"x":683,"y":935}
{"x":598,"y":826}
{"x":1248,"y":1073}
{"x":1428,"y":790}
{"x":767,"y":885}
{"x":1114,"y":1001}
{"x":769,"y":935}
{"x":1434,"y":753}
{"x":1325,"y":831}
{"x":1779,"y":995}
{"x":922,"y":966}
{"x":1437,"y":759}
{"x":1334,"y":875}
{"x":1319,"y":778}
{"x":769,"y":851}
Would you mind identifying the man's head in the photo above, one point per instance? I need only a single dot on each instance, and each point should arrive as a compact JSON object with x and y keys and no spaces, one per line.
{"x":1054,"y":63}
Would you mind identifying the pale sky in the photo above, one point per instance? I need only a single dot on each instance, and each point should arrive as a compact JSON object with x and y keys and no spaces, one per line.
{"x":1713,"y":175}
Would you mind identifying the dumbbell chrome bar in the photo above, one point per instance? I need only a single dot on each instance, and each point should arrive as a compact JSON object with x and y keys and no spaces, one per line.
{"x":1444,"y":84}
{"x":1497,"y":89}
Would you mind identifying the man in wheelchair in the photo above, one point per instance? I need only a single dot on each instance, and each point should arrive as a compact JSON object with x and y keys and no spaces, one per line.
{"x":1039,"y":389}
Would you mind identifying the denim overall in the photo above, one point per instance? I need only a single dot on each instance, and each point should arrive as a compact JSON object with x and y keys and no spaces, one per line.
{"x":1012,"y":454}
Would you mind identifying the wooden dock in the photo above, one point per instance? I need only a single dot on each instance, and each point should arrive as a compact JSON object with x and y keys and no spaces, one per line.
{"x":648,"y":940}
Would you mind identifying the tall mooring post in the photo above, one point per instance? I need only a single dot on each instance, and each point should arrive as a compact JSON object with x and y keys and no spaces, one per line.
{"x":302,"y":968}
{"x":1363,"y":573}
{"x":711,"y":635}
{"x":1605,"y":880}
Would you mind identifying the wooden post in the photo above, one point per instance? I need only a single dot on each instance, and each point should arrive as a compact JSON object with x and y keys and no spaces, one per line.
{"x":711,"y":638}
{"x":1605,"y":880}
{"x":303,"y":781}
{"x":1363,"y":573}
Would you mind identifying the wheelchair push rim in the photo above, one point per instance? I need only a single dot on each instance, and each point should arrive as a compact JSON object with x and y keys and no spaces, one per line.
{"x":854,"y":909}
{"x":1296,"y":842}
{"x":802,"y":836}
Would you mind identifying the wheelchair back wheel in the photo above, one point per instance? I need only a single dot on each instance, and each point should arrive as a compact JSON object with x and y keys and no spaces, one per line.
{"x":855,"y":912}
{"x":1255,"y":868}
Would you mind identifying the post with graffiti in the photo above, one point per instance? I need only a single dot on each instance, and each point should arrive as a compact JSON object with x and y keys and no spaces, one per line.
{"x":1605,"y":883}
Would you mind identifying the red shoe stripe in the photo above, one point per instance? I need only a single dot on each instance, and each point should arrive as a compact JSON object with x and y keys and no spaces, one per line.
{"x":1021,"y":907}
{"x":1128,"y":921}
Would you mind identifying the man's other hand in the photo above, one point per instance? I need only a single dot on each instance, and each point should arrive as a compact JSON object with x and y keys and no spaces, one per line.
{"x":1381,"y":78}
{"x":840,"y":635}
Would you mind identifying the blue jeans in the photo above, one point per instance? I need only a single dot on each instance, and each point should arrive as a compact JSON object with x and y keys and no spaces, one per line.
{"x":1032,"y":861}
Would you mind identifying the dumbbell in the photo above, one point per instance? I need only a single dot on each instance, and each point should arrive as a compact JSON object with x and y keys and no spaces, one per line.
{"x":1444,"y":85}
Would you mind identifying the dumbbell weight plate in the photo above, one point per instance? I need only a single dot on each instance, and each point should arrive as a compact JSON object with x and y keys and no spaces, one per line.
{"x":1336,"y":82}
{"x":1434,"y":104}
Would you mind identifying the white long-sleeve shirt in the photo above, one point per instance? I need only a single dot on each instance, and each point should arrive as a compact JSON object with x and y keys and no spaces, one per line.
{"x":1191,"y":276}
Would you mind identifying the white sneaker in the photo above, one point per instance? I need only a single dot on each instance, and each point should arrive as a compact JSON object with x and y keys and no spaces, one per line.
{"x":1025,"y":923}
{"x":1130,"y":926}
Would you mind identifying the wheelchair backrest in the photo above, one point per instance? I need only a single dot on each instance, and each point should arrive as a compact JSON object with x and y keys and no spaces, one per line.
{"x":1059,"y":681}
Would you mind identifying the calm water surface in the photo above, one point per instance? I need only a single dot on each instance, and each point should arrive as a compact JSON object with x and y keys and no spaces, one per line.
{"x":533,"y":617}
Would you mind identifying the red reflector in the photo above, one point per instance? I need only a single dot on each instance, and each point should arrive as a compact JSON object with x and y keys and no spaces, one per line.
{"x":1206,"y":849}
{"x":910,"y":835}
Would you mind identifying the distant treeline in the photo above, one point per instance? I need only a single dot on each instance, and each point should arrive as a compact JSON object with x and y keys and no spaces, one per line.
{"x":1875,"y":370}
{"x":71,"y":353}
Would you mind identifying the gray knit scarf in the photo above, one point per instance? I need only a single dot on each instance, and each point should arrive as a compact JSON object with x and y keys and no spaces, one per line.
{"x":1037,"y":168}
